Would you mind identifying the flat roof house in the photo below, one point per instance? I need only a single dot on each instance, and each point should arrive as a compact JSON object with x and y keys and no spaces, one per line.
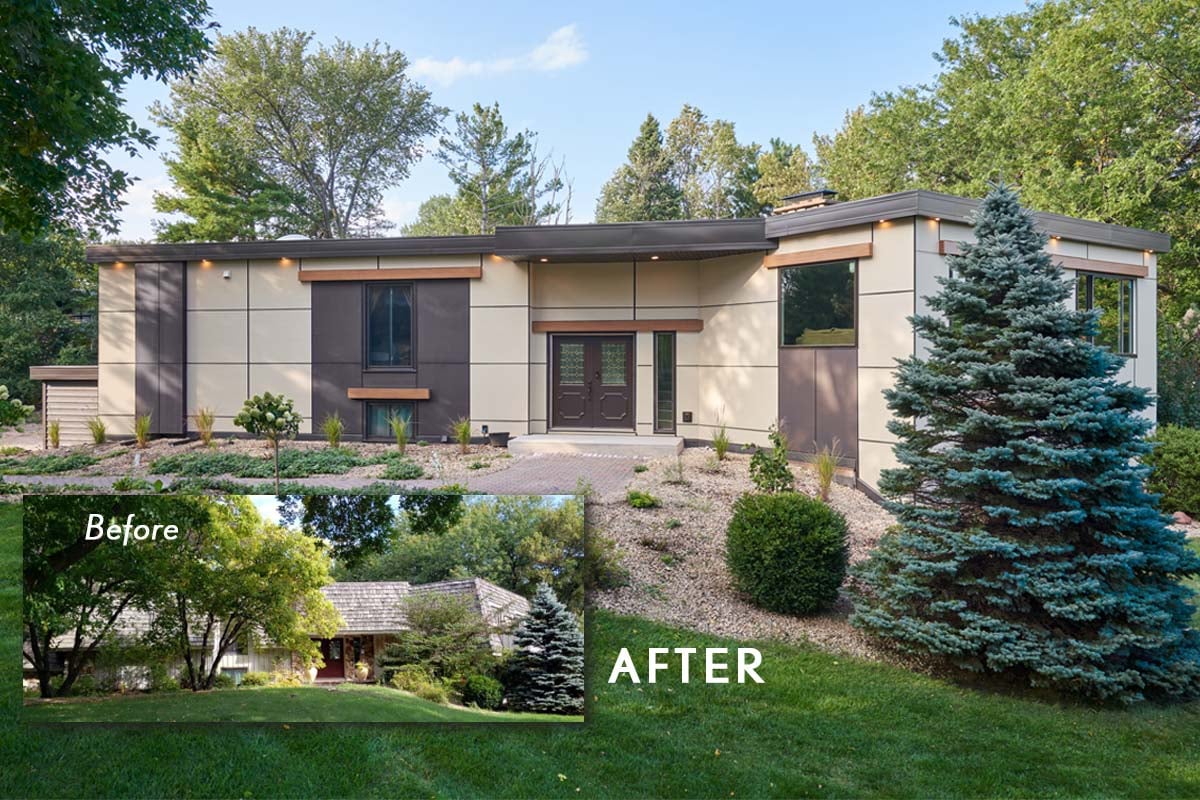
{"x":659,"y":329}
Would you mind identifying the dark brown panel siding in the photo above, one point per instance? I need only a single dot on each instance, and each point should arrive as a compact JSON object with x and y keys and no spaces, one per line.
{"x":443,"y":354}
{"x":818,"y":398}
{"x":161,"y":345}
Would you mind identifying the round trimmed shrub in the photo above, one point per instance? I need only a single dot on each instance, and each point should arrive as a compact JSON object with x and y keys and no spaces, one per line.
{"x":787,"y":551}
{"x":484,"y":691}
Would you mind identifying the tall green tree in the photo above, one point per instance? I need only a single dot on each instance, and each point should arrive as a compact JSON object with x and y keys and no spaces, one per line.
{"x":642,"y":188}
{"x":63,"y":66}
{"x":547,"y":669}
{"x":222,"y":192}
{"x":47,"y":308}
{"x":783,"y":169}
{"x":713,"y":171}
{"x":335,"y":125}
{"x":1027,"y":546}
{"x":1090,"y":105}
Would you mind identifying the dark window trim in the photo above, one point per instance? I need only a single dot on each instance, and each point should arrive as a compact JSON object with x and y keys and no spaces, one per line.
{"x":779,"y":312}
{"x":366,"y":304}
{"x":1090,"y":304}
{"x":674,"y":381}
{"x":366,"y":419}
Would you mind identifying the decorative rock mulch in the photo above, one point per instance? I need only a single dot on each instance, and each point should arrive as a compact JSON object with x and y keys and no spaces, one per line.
{"x":675,"y":554}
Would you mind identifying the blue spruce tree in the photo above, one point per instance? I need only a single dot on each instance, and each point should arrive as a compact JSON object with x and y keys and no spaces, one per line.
{"x":1027,"y":546}
{"x":547,"y":671}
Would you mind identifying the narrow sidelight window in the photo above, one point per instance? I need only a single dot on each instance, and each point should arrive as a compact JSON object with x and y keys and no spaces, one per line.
{"x":816,"y":305}
{"x":389,"y":326}
{"x":379,"y":417}
{"x":1113,"y":298}
{"x":664,"y":382}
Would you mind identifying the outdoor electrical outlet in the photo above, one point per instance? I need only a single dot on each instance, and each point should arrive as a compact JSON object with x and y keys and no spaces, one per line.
{"x":484,"y":429}
{"x":687,"y":416}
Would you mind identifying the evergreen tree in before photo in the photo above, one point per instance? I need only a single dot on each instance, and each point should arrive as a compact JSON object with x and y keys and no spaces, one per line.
{"x":548,"y":666}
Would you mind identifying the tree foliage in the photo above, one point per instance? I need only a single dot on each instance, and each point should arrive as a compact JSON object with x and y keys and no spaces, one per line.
{"x":446,"y":635}
{"x":1027,"y":546}
{"x":328,"y":130}
{"x":546,"y":672}
{"x":642,"y":188}
{"x":63,"y":66}
{"x":1091,"y":106}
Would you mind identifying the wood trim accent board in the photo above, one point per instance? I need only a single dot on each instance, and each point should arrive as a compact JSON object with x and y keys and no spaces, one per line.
{"x":840,"y":253}
{"x":618,"y":326}
{"x":415,"y":273}
{"x":951,"y":248}
{"x":55,"y":372}
{"x":382,"y":393}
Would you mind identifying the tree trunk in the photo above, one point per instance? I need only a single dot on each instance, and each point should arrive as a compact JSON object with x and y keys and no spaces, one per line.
{"x":276,"y":443}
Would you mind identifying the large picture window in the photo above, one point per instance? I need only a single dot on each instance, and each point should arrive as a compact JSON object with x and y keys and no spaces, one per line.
{"x":1113,"y":297}
{"x":816,"y":305}
{"x":389,"y":326}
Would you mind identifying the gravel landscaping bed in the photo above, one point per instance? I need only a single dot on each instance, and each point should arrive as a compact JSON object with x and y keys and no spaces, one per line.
{"x":441,"y":462}
{"x":675,"y":554}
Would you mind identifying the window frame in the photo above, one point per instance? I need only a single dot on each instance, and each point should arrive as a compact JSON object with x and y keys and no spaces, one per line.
{"x":674,"y":382}
{"x":853,"y":262}
{"x":368,"y":286}
{"x":366,"y":419}
{"x":1089,"y":279}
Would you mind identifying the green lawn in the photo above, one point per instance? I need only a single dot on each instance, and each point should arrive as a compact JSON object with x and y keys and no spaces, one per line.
{"x":819,"y":726}
{"x":344,"y":703}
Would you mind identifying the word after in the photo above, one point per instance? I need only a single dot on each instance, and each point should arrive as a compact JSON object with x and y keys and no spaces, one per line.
{"x":716,"y":666}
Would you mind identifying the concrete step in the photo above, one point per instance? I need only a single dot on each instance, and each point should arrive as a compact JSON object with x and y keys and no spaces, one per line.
{"x":606,"y":444}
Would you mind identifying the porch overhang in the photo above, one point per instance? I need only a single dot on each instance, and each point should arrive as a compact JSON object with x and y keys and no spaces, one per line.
{"x":633,"y":241}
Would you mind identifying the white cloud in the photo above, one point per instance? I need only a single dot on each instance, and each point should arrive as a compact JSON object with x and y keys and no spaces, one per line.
{"x":561,"y":49}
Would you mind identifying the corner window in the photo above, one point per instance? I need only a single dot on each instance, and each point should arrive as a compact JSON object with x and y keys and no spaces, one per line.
{"x":664,"y":382}
{"x":389,"y":326}
{"x":379,"y":416}
{"x":816,"y":305}
{"x":1113,"y":298}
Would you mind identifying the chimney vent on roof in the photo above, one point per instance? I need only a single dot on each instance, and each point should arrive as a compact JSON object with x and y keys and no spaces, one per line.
{"x":804,"y":201}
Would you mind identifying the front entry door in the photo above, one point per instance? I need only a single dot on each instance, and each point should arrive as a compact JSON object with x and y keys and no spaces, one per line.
{"x":592,"y":382}
{"x":331,"y":652}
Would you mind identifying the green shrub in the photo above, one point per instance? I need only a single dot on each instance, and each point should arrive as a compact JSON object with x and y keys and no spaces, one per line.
{"x":98,"y":430}
{"x":205,"y":419}
{"x":333,"y":427}
{"x":46,"y":465}
{"x":13,"y":413}
{"x":285,"y":678}
{"x":640,"y":499}
{"x":293,"y":463}
{"x":787,"y":551}
{"x":53,"y":431}
{"x":126,"y":483}
{"x":223,"y":681}
{"x":256,"y":679}
{"x":399,"y":468}
{"x":434,"y":693}
{"x":769,"y":469}
{"x":86,"y":685}
{"x":640,"y":468}
{"x":141,"y":430}
{"x":161,"y":680}
{"x":1175,"y":469}
{"x":484,"y":691}
{"x":407,"y":677}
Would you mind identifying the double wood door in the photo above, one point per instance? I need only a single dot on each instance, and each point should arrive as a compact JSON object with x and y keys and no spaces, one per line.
{"x":592,"y":382}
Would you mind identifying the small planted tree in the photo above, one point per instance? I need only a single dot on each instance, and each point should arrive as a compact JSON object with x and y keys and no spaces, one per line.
{"x":1027,"y":546}
{"x":272,"y":417}
{"x":547,"y":670}
{"x":769,"y":469}
{"x":13,"y":413}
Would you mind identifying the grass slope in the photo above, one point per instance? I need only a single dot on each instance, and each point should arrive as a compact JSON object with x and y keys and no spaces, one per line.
{"x":819,"y":726}
{"x":344,"y":703}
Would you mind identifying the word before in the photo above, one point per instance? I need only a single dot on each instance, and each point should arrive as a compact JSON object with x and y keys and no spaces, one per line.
{"x":748,"y":660}
{"x":123,"y":533}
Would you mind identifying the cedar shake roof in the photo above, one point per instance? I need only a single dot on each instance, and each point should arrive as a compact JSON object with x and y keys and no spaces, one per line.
{"x":377,"y":607}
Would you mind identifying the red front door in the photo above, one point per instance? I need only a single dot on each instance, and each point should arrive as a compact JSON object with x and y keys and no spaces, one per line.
{"x":332,"y":652}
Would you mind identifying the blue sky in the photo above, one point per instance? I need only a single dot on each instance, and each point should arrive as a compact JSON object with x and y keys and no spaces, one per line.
{"x":585,"y":75}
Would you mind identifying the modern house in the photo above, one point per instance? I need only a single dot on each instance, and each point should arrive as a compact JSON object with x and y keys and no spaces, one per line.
{"x":656,"y":329}
{"x":373,"y":613}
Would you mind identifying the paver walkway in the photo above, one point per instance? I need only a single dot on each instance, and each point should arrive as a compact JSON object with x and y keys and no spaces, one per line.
{"x":551,"y":473}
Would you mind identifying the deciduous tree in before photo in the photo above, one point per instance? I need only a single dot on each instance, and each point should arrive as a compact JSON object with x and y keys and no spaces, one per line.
{"x":1027,"y":546}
